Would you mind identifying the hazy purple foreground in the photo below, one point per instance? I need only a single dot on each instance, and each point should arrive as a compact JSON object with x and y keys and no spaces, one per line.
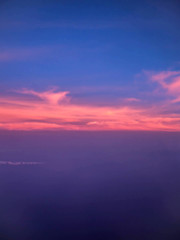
{"x":91,"y":185}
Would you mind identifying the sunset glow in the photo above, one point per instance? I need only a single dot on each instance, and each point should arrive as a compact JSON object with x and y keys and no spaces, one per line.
{"x":55,"y":110}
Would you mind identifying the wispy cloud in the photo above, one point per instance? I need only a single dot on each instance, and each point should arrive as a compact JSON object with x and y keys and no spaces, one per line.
{"x":169,"y":81}
{"x":64,"y":24}
{"x":22,"y":53}
{"x":18,"y":163}
{"x":50,"y":96}
{"x":132,"y":99}
{"x":49,"y":51}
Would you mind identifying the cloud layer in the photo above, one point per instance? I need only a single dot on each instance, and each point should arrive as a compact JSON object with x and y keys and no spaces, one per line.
{"x":53,"y":110}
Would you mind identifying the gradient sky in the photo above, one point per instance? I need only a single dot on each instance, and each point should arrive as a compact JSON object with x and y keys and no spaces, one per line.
{"x":90,"y":65}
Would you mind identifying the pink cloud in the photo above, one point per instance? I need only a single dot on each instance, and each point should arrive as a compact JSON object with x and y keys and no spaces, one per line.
{"x":51,"y":111}
{"x":132,"y":99}
{"x":169,"y":81}
{"x":50,"y":96}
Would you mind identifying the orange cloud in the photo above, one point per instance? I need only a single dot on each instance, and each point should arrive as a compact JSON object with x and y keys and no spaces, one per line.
{"x":50,"y":110}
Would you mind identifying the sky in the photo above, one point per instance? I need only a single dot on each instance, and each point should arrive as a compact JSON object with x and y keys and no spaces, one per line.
{"x":89,"y":119}
{"x":90,"y":65}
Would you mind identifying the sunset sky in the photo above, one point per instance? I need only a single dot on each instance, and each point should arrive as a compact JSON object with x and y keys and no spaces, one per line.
{"x":89,"y":119}
{"x":90,"y":65}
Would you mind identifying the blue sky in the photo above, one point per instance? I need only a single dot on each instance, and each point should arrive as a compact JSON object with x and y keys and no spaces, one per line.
{"x":75,"y":43}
